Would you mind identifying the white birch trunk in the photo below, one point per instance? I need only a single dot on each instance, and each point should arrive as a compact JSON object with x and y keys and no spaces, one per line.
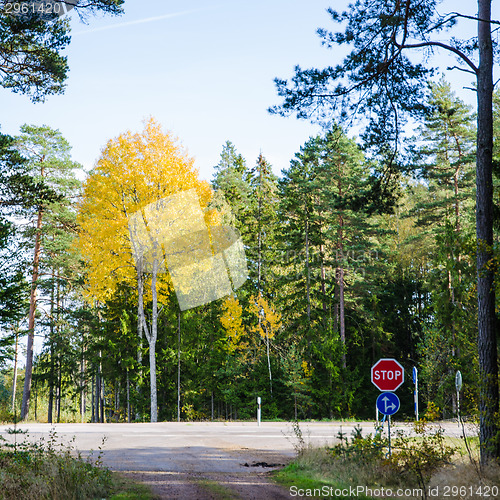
{"x":152,"y":344}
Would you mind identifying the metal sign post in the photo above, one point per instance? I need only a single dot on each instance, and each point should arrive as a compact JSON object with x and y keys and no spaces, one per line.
{"x":458,"y":387}
{"x":415,"y":393}
{"x":258,"y":410}
{"x":388,"y":404}
{"x":389,"y":432}
{"x":387,"y":375}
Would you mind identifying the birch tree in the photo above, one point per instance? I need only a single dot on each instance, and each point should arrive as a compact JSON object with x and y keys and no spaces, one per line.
{"x":133,"y":171}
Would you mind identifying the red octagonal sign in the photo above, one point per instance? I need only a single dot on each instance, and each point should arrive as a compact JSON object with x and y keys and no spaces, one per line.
{"x":387,"y":374}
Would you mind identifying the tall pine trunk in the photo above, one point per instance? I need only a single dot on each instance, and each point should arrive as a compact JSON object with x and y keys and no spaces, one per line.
{"x":31,"y":318}
{"x":52,"y":352}
{"x":269,"y":364}
{"x":82,"y":385}
{"x":340,"y":271}
{"x":487,"y":341}
{"x":308,"y":279}
{"x":59,"y":389}
{"x":128,"y":398}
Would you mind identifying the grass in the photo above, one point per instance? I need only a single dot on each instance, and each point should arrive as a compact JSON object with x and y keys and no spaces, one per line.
{"x":316,"y":469}
{"x":219,"y":491}
{"x":125,"y":489}
{"x":428,"y":461}
{"x":27,"y":475}
{"x":48,"y":469}
{"x":307,"y":474}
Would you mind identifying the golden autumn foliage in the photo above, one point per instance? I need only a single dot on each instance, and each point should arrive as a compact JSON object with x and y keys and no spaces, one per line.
{"x":231,"y":321}
{"x":134,"y":170}
{"x":308,"y":370}
{"x":270,"y":320}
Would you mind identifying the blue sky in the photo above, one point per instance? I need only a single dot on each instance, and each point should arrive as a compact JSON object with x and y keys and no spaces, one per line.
{"x":203,"y":69}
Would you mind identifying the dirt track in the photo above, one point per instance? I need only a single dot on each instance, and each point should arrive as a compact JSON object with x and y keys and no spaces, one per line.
{"x":227,"y":477}
{"x":198,"y":461}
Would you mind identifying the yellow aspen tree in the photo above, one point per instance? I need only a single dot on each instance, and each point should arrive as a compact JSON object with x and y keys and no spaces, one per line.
{"x":133,"y":171}
{"x":231,"y":321}
{"x":269,"y":322}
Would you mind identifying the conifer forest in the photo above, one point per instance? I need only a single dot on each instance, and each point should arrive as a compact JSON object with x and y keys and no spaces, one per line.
{"x":367,"y":245}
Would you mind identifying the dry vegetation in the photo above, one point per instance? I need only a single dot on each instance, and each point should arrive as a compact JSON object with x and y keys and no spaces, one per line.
{"x":426,"y":465}
{"x":49,"y":470}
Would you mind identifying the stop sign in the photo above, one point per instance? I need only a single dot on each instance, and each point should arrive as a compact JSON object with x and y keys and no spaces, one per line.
{"x":387,"y":374}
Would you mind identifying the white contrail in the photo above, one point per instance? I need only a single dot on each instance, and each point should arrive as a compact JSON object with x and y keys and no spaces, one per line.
{"x":138,"y":21}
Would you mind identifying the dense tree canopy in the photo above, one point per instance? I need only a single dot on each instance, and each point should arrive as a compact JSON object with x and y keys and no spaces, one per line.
{"x":380,"y":81}
{"x":332,"y":288}
{"x":364,"y":247}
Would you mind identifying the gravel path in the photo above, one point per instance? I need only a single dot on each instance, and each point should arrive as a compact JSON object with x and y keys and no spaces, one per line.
{"x":198,"y":473}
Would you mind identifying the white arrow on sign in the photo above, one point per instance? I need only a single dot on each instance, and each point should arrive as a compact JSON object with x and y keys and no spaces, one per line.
{"x":387,"y":404}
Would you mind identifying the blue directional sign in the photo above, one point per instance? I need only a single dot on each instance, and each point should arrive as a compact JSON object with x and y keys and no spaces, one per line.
{"x":388,"y":403}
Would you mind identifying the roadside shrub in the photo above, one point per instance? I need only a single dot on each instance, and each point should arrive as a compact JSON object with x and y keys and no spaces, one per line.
{"x":49,"y":470}
{"x":360,"y":449}
{"x":412,"y":460}
{"x":418,"y":458}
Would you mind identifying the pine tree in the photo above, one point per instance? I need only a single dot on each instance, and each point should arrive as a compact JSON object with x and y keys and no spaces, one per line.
{"x":261,"y":222}
{"x":445,"y":155}
{"x":327,"y":241}
{"x":232,"y":178}
{"x":378,"y":80}
{"x":49,"y":165}
{"x":30,"y":47}
{"x":300,"y":234}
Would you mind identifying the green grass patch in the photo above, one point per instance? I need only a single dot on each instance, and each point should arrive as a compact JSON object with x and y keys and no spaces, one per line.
{"x":310,"y":478}
{"x":125,"y":489}
{"x":220,"y":492}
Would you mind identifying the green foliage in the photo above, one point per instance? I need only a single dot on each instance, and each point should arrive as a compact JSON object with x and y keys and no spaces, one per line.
{"x":49,"y":470}
{"x":233,"y":179}
{"x":13,"y":285}
{"x":378,"y":82}
{"x":351,"y":285}
{"x":31,"y":60}
{"x":421,"y":457}
{"x":411,"y":460}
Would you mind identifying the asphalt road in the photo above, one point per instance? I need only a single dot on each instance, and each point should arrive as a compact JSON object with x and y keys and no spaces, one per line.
{"x":179,"y":459}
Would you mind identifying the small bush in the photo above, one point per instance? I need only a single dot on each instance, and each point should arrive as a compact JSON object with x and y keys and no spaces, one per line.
{"x":359,"y":448}
{"x":418,"y":458}
{"x":411,"y":461}
{"x":47,"y":470}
